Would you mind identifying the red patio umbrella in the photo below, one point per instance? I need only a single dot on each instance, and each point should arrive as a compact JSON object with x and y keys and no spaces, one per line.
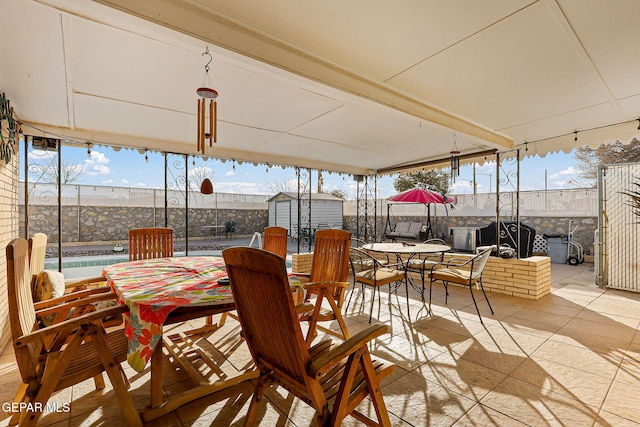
{"x":422,"y":196}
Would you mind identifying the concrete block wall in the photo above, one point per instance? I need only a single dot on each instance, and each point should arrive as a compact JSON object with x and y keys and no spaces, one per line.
{"x":301,"y":263}
{"x":528,"y":278}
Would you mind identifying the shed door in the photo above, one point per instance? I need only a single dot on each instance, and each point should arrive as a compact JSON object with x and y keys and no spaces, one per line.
{"x":283,"y":214}
{"x":618,"y":244}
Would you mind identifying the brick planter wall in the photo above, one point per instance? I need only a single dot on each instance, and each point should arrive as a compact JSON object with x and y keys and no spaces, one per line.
{"x":526,"y":277}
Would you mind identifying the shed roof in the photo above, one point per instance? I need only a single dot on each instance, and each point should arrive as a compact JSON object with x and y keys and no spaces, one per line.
{"x":314,"y":196}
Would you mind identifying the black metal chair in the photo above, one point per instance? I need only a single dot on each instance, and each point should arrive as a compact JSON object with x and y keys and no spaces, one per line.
{"x":466,"y":272}
{"x":368,"y":271}
{"x":423,"y":263}
{"x":229,"y":228}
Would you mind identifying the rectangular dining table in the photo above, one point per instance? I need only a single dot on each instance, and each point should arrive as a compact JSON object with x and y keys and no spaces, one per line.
{"x":165,"y":291}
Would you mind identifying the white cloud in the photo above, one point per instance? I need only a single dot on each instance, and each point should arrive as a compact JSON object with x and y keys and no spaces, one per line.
{"x":97,"y":164}
{"x":461,"y":187}
{"x":241,"y":187}
{"x":200,"y":171}
{"x":108,"y":181}
{"x":41,"y":154}
{"x":560,"y":184}
{"x":124,"y":181}
{"x":569,"y":171}
{"x":230,"y":173}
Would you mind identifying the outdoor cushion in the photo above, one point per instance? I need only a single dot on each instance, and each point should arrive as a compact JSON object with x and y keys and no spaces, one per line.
{"x":454,"y":272}
{"x":401,"y":228}
{"x":49,"y":284}
{"x":414,"y":228}
{"x":421,"y":264}
{"x":410,"y":230}
{"x":380,"y":274}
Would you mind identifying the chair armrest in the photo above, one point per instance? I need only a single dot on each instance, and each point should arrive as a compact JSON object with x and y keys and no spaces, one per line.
{"x":70,"y":324}
{"x":459,"y":262}
{"x":72,"y":297}
{"x":76,"y":283}
{"x":304,"y":308}
{"x":328,"y":360}
{"x":316,"y":286}
{"x":75,"y":303}
{"x":396,"y":266}
{"x":305,"y":277}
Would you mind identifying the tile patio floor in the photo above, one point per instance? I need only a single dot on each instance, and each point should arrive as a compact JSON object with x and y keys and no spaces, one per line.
{"x":572,"y":358}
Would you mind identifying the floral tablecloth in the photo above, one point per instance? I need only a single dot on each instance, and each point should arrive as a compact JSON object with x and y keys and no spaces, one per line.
{"x":153,"y":288}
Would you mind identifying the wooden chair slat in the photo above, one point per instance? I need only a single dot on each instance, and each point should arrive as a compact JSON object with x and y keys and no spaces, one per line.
{"x":331,"y":379}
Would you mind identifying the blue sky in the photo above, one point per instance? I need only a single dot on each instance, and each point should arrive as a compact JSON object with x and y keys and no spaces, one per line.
{"x":126,"y":167}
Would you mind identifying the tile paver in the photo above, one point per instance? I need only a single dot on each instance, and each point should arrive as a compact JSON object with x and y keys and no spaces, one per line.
{"x":572,"y":358}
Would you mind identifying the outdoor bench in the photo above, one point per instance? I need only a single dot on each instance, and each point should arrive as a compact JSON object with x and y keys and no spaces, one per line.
{"x":405,"y":230}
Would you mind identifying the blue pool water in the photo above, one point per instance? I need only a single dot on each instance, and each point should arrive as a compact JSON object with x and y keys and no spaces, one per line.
{"x":93,"y":265}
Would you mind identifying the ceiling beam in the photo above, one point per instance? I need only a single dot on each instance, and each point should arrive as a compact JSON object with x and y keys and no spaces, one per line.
{"x":195,"y":19}
{"x":432,"y":163}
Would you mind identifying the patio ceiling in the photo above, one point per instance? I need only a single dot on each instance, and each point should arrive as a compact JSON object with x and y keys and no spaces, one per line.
{"x":356,"y":87}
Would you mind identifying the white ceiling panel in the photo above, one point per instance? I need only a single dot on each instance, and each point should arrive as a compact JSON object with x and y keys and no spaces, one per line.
{"x":105,"y":115}
{"x":166,"y":78}
{"x":609,"y":32}
{"x":501,"y":76}
{"x":355,"y":86}
{"x":32,"y":68}
{"x":344,"y":32}
{"x":559,"y":124}
{"x":348,"y":156}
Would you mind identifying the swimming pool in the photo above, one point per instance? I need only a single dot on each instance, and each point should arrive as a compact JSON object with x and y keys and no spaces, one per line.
{"x":89,"y":266}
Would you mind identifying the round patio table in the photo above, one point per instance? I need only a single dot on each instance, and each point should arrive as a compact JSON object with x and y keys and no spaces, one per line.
{"x":404,"y":248}
{"x":410,"y":250}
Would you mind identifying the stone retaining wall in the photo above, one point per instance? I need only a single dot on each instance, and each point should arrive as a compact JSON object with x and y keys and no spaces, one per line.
{"x":584,"y":234}
{"x":109,"y":224}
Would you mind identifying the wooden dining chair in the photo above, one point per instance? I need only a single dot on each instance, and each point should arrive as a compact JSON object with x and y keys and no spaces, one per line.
{"x":275,"y":240}
{"x":328,"y":280}
{"x":37,"y":256}
{"x":72,"y":350}
{"x":47,"y":285}
{"x":466,"y":272}
{"x":147,"y":243}
{"x":331,"y":379}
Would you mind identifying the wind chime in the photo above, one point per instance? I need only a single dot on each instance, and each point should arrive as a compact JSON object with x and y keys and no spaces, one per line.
{"x":455,"y":160}
{"x":206,"y":92}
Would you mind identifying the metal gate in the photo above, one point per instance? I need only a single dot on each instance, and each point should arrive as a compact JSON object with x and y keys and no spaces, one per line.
{"x":618,"y":243}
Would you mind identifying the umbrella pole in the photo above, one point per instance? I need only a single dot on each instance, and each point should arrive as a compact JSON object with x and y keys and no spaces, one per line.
{"x":429,"y":230}
{"x":387,"y":225}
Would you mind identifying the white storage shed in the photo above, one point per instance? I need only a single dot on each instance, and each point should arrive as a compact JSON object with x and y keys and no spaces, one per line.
{"x":326,"y":211}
